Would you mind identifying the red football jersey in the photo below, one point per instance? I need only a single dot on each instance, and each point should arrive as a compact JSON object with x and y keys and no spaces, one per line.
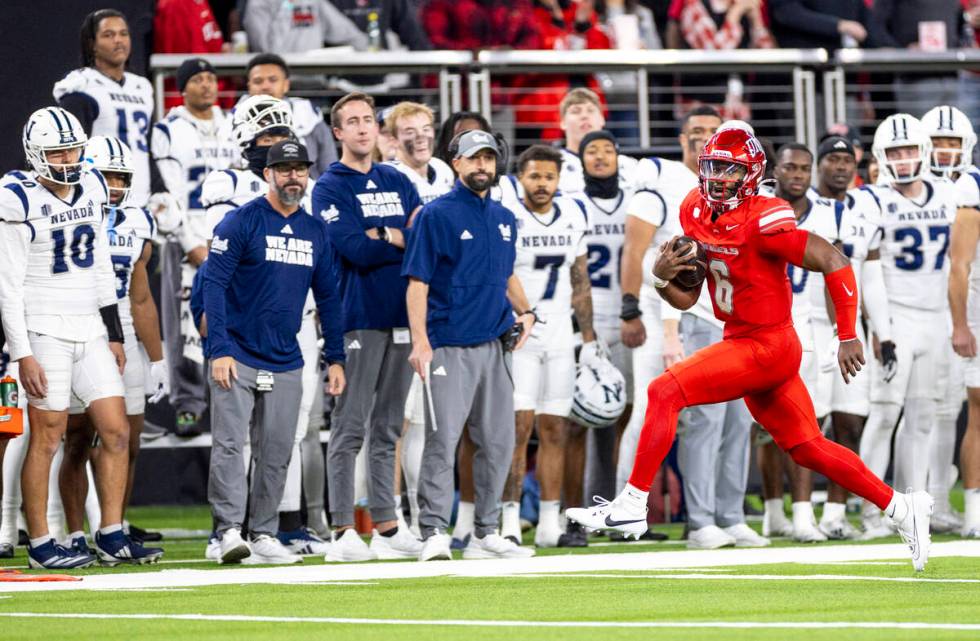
{"x":747,"y":250}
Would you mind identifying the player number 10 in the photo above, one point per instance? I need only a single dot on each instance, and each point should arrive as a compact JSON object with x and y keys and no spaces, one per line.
{"x":723,"y":287}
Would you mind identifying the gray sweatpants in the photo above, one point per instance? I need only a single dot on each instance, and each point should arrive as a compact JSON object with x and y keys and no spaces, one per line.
{"x":272,"y":418}
{"x":378,"y":378}
{"x":187,"y":378}
{"x":470,"y":386}
{"x":712,"y":446}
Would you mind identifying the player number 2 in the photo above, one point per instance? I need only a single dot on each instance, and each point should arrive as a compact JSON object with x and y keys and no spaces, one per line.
{"x":82,"y":240}
{"x":723,"y":286}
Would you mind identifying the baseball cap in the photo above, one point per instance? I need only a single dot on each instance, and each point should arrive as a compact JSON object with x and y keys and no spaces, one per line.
{"x":834,"y":144}
{"x":190,"y":68}
{"x":286,"y":151}
{"x":473,"y":141}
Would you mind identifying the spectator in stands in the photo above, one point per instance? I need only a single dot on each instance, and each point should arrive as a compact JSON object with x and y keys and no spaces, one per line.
{"x":268,"y":74}
{"x":827,"y":24}
{"x":713,"y":26}
{"x":377,"y":17}
{"x":922,"y":25}
{"x":286,"y":27}
{"x":480,"y":24}
{"x":185,"y":26}
{"x":970,"y":80}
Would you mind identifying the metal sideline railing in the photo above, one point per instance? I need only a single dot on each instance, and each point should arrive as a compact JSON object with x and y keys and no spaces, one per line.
{"x":794,"y":103}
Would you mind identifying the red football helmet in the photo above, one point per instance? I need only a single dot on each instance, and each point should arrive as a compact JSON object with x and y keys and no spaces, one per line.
{"x":730,"y":167}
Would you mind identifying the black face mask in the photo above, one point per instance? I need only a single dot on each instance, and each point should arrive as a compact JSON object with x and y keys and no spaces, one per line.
{"x":256,"y":157}
{"x":602,"y":187}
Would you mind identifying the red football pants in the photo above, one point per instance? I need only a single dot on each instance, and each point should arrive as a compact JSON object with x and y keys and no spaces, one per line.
{"x":764,"y":369}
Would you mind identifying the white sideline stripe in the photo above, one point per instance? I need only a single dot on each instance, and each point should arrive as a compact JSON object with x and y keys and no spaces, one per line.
{"x":237,"y":618}
{"x":754,"y":577}
{"x":613,"y":562}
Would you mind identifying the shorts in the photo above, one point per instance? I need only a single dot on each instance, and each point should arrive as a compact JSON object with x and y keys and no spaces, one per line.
{"x":544,"y":381}
{"x":854,"y":397}
{"x":920,"y":337}
{"x":134,"y":378}
{"x":84,"y":369}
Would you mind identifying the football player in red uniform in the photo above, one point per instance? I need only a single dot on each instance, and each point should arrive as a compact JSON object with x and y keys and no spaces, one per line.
{"x":748,"y":240}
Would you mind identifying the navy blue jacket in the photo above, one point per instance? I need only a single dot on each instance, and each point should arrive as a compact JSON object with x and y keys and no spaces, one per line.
{"x":259,"y":271}
{"x":463,"y":246}
{"x":352,"y":202}
{"x":197,"y":302}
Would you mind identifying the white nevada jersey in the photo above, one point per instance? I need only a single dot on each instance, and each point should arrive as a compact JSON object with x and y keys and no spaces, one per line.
{"x":55,"y":270}
{"x":438,"y":181}
{"x":914,"y":240}
{"x":661,"y":187}
{"x":547,"y":246}
{"x":825,"y":218}
{"x":968,"y":195}
{"x":571,"y":180}
{"x":129,"y":229}
{"x":607,"y":228}
{"x":122,"y":110}
{"x":186,"y":150}
{"x":231,"y":188}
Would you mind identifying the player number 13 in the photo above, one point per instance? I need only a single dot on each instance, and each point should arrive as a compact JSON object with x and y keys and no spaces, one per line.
{"x":723,"y":287}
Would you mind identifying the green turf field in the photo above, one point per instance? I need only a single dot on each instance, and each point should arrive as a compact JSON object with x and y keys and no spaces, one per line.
{"x":802,"y":597}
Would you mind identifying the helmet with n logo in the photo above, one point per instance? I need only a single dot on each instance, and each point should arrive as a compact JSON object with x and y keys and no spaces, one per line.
{"x":901,"y":132}
{"x":111,"y":156}
{"x":945,"y":121}
{"x":600,"y":394}
{"x":53,"y":129}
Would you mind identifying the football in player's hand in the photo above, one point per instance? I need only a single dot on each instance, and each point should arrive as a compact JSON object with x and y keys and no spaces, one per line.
{"x":691,"y":278}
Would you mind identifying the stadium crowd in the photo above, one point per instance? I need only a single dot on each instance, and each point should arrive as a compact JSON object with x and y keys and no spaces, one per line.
{"x":435,"y":298}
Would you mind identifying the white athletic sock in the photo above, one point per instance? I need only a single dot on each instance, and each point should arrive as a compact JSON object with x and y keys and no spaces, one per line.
{"x":41,"y":540}
{"x":971,"y":500}
{"x":802,"y":515}
{"x":75,"y":535}
{"x":110,"y":529}
{"x":633,"y":498}
{"x":774,"y":510}
{"x":510,"y":519}
{"x":897,"y":510}
{"x":548,"y":514}
{"x":832,"y":512}
{"x":464,"y":520}
{"x":93,"y":510}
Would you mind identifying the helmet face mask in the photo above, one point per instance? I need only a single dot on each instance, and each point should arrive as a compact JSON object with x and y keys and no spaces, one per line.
{"x":723,"y":179}
{"x":113,"y":158}
{"x":730,"y":167}
{"x":257,"y":115}
{"x":51,"y":131}
{"x":902,"y":149}
{"x":952,"y":138}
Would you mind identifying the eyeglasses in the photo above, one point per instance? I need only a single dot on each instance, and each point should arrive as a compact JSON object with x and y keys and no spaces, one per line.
{"x":285,"y":170}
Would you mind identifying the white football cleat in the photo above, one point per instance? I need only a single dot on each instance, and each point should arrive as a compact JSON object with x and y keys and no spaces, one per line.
{"x":914,"y":528}
{"x":710,"y":537}
{"x":494,"y":546}
{"x":946,"y":521}
{"x":436,"y":548}
{"x":612,"y":515}
{"x":839,"y":529}
{"x":970,"y":532}
{"x":268,"y":549}
{"x":875,"y":527}
{"x":213,"y":550}
{"x":349,"y":546}
{"x":808,"y":533}
{"x":233,"y":547}
{"x":746,"y":537}
{"x":546,"y":537}
{"x":400,"y":546}
{"x":776,"y":524}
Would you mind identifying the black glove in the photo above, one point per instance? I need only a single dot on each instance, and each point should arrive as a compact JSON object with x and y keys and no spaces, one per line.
{"x":889,"y":361}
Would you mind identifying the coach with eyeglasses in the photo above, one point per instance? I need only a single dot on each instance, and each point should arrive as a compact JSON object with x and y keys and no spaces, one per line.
{"x":265,"y":256}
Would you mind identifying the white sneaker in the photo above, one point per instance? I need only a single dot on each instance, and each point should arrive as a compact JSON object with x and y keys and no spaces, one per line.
{"x":494,"y":546}
{"x":213,"y":550}
{"x":709,"y":537}
{"x":400,"y":546}
{"x":233,"y":547}
{"x":610,"y":515}
{"x":808,"y":533}
{"x":436,"y":548}
{"x":946,"y":521}
{"x":746,"y":537}
{"x":875,"y":527}
{"x":268,"y":549}
{"x":776,"y":524}
{"x":304,"y":542}
{"x":970,"y":532}
{"x":546,"y":537}
{"x":839,"y":529}
{"x":349,"y":546}
{"x":914,"y":528}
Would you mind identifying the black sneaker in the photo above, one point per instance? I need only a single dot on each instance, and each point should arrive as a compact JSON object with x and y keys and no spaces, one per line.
{"x":6,"y":551}
{"x":142,"y":535}
{"x":574,"y":536}
{"x":619,"y":537}
{"x":188,"y":425}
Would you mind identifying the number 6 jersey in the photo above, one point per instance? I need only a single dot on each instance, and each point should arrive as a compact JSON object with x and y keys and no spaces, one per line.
{"x":55,"y":270}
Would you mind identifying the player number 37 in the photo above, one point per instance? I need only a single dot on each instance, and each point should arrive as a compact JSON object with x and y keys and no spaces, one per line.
{"x":723,"y":286}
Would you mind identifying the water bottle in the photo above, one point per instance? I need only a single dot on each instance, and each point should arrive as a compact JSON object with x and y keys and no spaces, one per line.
{"x":374,"y":32}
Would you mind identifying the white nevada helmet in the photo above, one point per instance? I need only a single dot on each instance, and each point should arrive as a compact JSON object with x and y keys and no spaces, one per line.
{"x":901,"y":130}
{"x":945,"y":121}
{"x":108,"y":154}
{"x":600,"y":394}
{"x":256,"y":115}
{"x":54,"y":129}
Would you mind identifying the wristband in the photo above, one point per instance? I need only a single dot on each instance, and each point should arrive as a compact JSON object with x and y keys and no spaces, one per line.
{"x":113,"y":326}
{"x":630,"y":308}
{"x":659,"y":282}
{"x":382,"y":233}
{"x":532,"y":313}
{"x":843,"y":291}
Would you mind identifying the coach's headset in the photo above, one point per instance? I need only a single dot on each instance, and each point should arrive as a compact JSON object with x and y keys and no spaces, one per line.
{"x":503,"y":160}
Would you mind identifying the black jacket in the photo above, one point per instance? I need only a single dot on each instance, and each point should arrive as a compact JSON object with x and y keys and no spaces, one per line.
{"x":808,"y":24}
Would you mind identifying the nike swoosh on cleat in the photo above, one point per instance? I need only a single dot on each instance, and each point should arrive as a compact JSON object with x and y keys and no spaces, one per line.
{"x":610,"y":523}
